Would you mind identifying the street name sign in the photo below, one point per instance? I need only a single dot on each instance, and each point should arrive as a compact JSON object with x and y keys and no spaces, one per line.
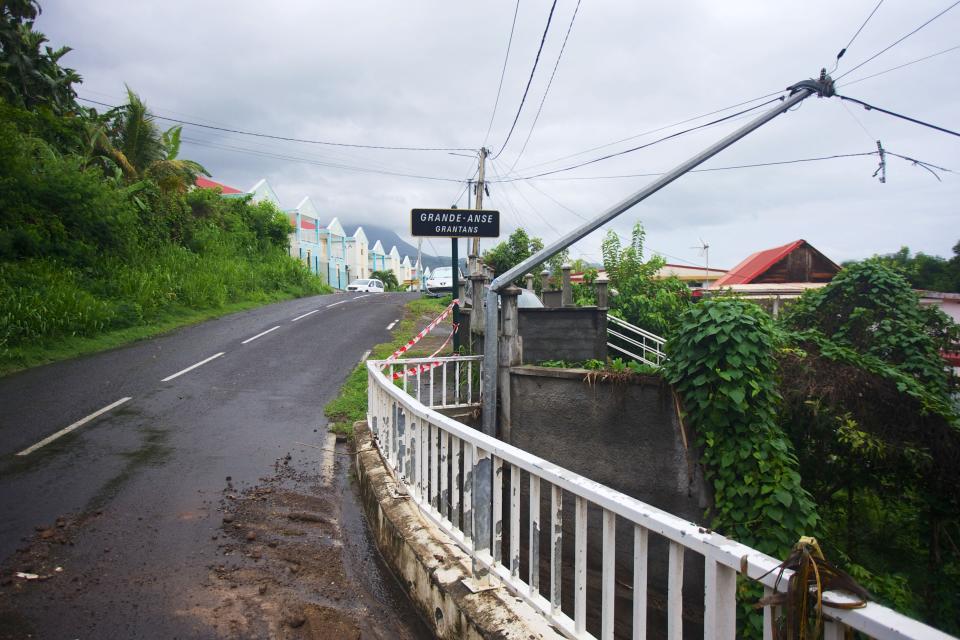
{"x":455,"y":223}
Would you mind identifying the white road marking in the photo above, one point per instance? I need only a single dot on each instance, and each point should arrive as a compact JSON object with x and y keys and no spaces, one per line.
{"x":260,"y":335}
{"x":308,"y":313}
{"x":192,"y":367}
{"x":392,"y":324}
{"x":79,"y":423}
{"x":363,"y":296}
{"x":365,"y":355}
{"x":336,"y":303}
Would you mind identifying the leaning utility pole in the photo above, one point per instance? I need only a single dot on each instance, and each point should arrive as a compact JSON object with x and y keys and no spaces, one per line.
{"x":797,"y":94}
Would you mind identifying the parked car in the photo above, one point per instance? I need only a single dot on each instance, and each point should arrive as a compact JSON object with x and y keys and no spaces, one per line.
{"x":440,"y":282}
{"x":371,"y":286}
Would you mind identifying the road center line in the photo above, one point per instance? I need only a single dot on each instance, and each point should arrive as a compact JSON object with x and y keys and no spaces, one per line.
{"x":308,"y":313}
{"x":336,"y":303}
{"x":79,"y":423}
{"x":192,"y":367}
{"x":260,"y":335}
{"x":392,"y":324}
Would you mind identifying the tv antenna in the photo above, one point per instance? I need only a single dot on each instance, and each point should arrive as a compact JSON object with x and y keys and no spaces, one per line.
{"x":704,"y":248}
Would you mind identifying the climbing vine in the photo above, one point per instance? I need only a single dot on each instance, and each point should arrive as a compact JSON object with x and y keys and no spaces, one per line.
{"x":722,"y":363}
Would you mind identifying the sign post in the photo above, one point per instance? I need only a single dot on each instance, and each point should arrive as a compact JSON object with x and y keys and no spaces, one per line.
{"x":455,"y":223}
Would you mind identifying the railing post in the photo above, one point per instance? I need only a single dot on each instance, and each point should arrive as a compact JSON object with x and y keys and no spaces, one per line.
{"x":603,"y":288}
{"x":510,"y":355}
{"x":566,"y":296}
{"x":477,"y":281}
{"x":528,"y":280}
{"x":544,"y":282}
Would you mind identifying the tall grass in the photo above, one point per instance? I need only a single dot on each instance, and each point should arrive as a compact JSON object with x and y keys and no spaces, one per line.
{"x":43,"y":300}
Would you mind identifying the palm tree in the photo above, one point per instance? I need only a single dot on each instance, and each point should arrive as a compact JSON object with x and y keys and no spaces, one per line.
{"x":127,"y":139}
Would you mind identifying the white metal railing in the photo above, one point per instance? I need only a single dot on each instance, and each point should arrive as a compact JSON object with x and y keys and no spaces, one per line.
{"x":456,"y":475}
{"x":649,"y":345}
{"x":453,"y":384}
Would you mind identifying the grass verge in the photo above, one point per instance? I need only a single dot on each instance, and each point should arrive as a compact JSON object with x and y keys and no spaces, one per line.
{"x":351,"y":404}
{"x":63,"y":348}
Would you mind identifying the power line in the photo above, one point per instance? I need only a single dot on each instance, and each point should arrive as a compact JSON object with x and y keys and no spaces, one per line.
{"x":727,"y":168}
{"x":885,"y":49}
{"x":844,"y":50}
{"x":529,"y":80}
{"x":285,"y":138}
{"x":901,"y":66}
{"x":278,"y":156}
{"x":646,"y":133}
{"x":644,"y":146}
{"x":549,"y":84}
{"x":503,"y":72}
{"x":870,"y":107}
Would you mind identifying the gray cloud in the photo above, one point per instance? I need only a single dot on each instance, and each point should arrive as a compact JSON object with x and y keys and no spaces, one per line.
{"x":423,"y":73}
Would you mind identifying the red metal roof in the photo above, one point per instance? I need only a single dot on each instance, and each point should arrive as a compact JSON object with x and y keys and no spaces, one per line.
{"x":308,"y":223}
{"x":756,"y":264}
{"x":205,"y":183}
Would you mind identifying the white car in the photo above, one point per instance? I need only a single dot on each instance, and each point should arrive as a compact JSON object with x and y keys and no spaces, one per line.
{"x":370,"y":286}
{"x":440,"y":282}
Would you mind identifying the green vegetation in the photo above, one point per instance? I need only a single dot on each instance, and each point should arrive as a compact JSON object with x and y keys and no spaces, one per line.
{"x":836,"y":423}
{"x":101,"y":238}
{"x":654,"y":304}
{"x":511,"y":252}
{"x":614,"y":366}
{"x":351,"y":404}
{"x":926,"y":272}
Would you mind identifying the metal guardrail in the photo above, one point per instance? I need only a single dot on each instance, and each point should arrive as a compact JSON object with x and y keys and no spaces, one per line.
{"x":447,"y":468}
{"x":650,"y":345}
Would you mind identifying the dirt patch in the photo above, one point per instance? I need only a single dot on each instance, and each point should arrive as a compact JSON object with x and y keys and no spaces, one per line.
{"x":284,"y":573}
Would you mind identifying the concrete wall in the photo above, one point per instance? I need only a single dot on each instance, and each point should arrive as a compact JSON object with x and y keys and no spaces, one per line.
{"x":625,"y":435}
{"x":572,"y":334}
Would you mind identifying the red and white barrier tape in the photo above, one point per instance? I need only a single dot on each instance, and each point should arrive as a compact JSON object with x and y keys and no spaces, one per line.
{"x":417,"y":338}
{"x":427,"y":365}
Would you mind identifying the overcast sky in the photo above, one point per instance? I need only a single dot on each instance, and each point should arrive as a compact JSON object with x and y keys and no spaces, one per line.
{"x":426,"y":74}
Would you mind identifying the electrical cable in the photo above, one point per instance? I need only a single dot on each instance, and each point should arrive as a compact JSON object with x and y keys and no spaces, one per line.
{"x":870,"y":107}
{"x":644,"y":146}
{"x":885,"y":49}
{"x":285,"y":138}
{"x":901,"y":66}
{"x":547,"y":91}
{"x":503,"y":73}
{"x":646,"y":133}
{"x":844,"y":50}
{"x":277,"y":156}
{"x":536,"y":61}
{"x":506,"y":197}
{"x":726,"y":168}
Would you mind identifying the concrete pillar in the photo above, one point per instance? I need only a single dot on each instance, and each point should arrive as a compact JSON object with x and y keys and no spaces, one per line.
{"x":544,"y":282}
{"x":566,"y":298}
{"x":602,"y":287}
{"x":477,"y":317}
{"x":473,"y":263}
{"x":510,"y":355}
{"x":529,"y":280}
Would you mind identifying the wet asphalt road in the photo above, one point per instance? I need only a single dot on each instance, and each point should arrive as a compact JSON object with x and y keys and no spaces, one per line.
{"x":150,"y":472}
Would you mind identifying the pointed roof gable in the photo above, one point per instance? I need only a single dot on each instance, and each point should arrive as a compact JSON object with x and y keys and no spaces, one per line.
{"x":406,"y":261}
{"x":306,"y":207}
{"x":378,"y":248}
{"x":262,"y":191}
{"x":759,"y":263}
{"x":394,"y":253}
{"x":204,"y":183}
{"x":359,"y":235}
{"x":335,"y":228}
